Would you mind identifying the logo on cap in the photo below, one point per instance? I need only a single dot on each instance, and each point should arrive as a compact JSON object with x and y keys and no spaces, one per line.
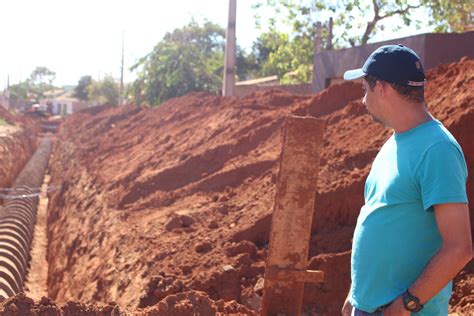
{"x":396,"y":64}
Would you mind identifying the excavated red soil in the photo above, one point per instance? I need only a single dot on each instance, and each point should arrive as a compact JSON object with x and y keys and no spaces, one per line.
{"x":158,"y":202}
{"x":23,"y":305}
{"x":7,"y":116}
{"x":181,"y":304}
{"x":17,"y":144}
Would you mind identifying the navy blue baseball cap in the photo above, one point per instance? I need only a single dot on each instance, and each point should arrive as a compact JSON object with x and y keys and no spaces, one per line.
{"x":392,"y":63}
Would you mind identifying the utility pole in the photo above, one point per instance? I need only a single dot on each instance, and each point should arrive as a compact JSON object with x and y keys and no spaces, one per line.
{"x":7,"y":95}
{"x":2,"y":96}
{"x":329,"y":44}
{"x":121,"y":73}
{"x":317,"y":39}
{"x":229,"y":59}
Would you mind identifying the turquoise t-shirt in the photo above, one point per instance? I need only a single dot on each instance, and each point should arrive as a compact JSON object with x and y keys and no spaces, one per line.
{"x":396,"y":233}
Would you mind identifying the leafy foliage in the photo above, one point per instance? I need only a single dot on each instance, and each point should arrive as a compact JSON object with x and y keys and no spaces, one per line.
{"x":103,"y":92}
{"x":289,"y":59}
{"x":80,"y":91}
{"x":355,"y":22}
{"x":42,"y":76}
{"x":40,"y":80}
{"x":449,"y":15}
{"x":18,"y":91}
{"x":187,"y":59}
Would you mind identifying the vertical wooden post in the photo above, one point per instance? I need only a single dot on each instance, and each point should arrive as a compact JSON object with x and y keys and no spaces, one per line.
{"x":285,"y":271}
{"x":229,"y":58}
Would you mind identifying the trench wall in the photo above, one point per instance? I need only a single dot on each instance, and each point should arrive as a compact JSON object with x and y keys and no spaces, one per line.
{"x":17,"y":222}
{"x":15,"y":150}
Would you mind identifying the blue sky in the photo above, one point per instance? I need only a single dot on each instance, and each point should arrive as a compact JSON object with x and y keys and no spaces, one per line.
{"x":76,"y":38}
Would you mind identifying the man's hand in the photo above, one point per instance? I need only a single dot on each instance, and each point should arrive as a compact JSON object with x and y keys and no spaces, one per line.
{"x":397,"y":308}
{"x":346,"y":308}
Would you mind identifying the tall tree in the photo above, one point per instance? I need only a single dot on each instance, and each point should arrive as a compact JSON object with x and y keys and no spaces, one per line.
{"x":355,"y":22}
{"x":18,"y":91}
{"x":187,"y":59}
{"x":289,"y":59}
{"x":42,"y":76}
{"x":40,"y":80}
{"x":451,"y":15}
{"x":103,"y":92}
{"x":80,"y":91}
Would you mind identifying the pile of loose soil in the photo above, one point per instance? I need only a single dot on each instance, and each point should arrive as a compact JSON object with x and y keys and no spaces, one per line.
{"x":6,"y":116}
{"x":19,"y":120}
{"x":186,"y":303}
{"x":17,"y":144}
{"x":159,"y":202}
{"x":20,"y":304}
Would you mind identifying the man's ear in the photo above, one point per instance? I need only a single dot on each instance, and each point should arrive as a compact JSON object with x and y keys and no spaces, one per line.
{"x":380,"y":87}
{"x":383,"y":88}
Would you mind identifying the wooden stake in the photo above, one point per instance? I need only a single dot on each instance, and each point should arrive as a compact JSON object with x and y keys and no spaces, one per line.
{"x":285,"y":272}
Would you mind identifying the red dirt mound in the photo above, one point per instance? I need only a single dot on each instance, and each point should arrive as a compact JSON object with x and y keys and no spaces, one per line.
{"x":17,"y":144}
{"x":157,"y":202}
{"x":182,"y":304}
{"x":195,"y":303}
{"x":19,"y":120}
{"x":6,"y":116}
{"x":23,"y":305}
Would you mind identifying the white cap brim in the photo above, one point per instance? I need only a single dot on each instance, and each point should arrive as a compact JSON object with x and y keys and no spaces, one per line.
{"x":354,"y":74}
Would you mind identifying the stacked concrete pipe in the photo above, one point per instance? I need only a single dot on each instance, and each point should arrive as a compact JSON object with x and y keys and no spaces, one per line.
{"x":17,"y":222}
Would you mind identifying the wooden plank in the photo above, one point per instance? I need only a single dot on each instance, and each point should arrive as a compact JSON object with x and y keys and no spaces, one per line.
{"x":292,"y":215}
{"x":300,"y":276}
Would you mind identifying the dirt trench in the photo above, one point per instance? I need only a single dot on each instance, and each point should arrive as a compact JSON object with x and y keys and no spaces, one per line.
{"x":131,"y":231}
{"x":17,"y":222}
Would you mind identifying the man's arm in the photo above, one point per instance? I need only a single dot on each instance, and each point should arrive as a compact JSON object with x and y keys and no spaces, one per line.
{"x":347,"y":307}
{"x":456,"y":250}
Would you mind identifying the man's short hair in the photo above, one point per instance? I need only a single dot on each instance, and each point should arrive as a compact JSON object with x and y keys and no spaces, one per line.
{"x":410,"y":93}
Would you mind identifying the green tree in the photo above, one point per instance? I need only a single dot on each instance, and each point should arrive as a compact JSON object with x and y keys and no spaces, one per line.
{"x":18,"y":91}
{"x":246,"y":65}
{"x":40,"y":80}
{"x":290,"y":59}
{"x":187,"y":59}
{"x":80,"y":91}
{"x":355,"y":22}
{"x":104,"y":92}
{"x":42,"y":76}
{"x":451,"y":16}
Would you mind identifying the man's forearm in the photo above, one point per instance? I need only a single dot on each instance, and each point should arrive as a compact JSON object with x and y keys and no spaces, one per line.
{"x":347,"y":307}
{"x":442,"y":268}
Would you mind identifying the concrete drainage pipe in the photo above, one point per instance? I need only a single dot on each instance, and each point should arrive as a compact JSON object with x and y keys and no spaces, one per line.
{"x":17,"y":222}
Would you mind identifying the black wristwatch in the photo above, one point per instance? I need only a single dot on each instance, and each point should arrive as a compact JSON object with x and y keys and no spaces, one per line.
{"x":411,"y":302}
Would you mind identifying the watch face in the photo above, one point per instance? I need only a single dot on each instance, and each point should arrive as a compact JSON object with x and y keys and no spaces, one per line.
{"x":411,"y":304}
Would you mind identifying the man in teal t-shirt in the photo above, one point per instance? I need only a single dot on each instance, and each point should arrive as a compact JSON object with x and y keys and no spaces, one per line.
{"x":413,"y":233}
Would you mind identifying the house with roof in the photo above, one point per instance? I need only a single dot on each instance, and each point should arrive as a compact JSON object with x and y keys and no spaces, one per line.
{"x":60,"y":102}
